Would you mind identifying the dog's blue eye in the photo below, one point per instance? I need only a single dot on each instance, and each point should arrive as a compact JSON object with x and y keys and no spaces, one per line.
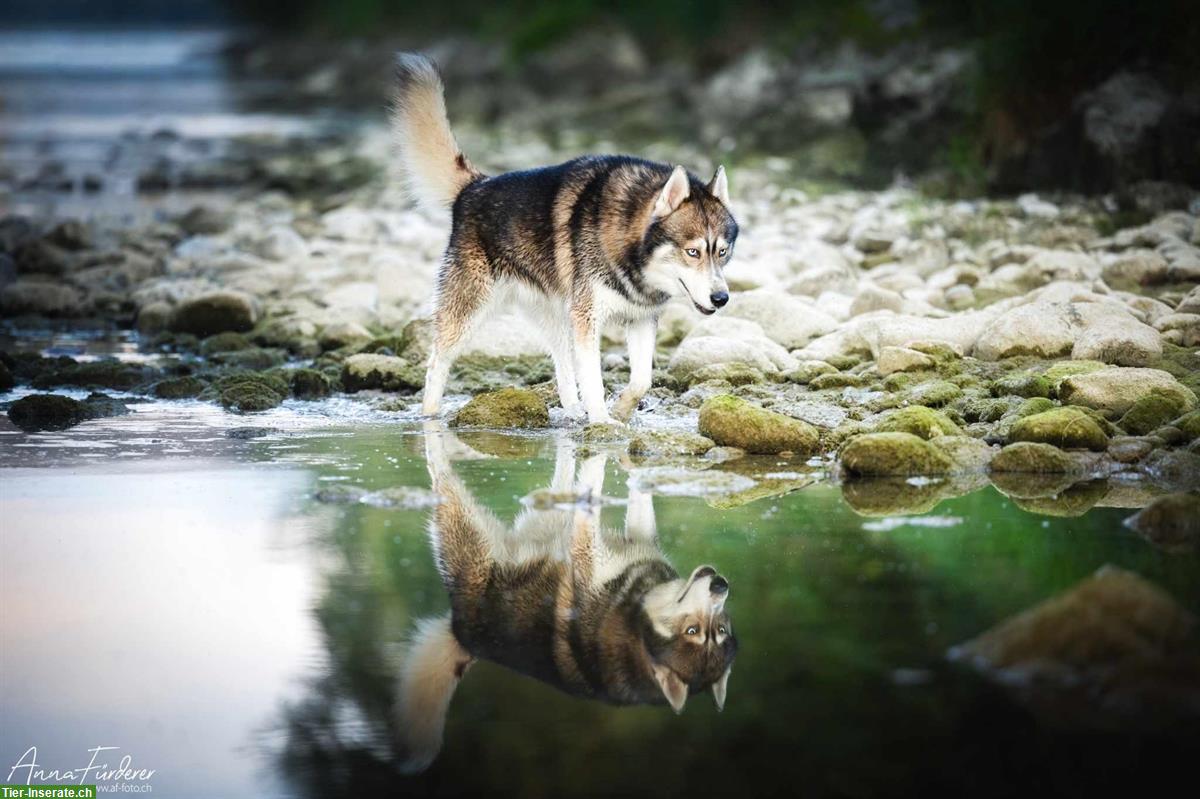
{"x":721,"y":630}
{"x":692,"y":631}
{"x":721,"y":252}
{"x":693,"y":252}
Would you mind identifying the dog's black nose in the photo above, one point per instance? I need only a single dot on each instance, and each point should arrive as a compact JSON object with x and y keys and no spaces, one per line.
{"x":719,"y":298}
{"x":718,"y":585}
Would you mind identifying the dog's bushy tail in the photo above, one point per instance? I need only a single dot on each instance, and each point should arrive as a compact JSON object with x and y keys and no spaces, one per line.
{"x":434,"y":664}
{"x":432,"y":167}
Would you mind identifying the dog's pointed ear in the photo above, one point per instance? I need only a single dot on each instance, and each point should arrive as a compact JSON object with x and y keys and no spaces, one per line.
{"x":673,"y":193}
{"x":719,"y":186}
{"x":719,"y":688}
{"x":673,"y":688}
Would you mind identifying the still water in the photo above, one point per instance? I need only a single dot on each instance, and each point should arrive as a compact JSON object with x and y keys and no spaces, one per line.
{"x":236,"y":614}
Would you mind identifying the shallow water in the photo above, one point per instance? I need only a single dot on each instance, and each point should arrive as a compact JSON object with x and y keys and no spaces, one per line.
{"x":189,"y":598}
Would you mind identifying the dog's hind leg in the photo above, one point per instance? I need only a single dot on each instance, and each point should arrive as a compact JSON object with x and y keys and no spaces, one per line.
{"x":464,"y":292}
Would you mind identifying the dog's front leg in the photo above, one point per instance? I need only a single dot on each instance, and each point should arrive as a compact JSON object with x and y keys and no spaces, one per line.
{"x":587,"y":365}
{"x":640,"y":340}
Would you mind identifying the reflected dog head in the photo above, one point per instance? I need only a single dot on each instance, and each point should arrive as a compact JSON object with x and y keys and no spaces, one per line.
{"x":689,"y":636}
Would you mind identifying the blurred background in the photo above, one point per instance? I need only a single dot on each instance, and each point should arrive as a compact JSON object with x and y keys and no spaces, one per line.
{"x":961,"y":97}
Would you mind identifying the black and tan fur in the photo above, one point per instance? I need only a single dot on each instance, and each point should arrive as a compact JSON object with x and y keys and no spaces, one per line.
{"x":596,"y":613}
{"x":595,"y":240}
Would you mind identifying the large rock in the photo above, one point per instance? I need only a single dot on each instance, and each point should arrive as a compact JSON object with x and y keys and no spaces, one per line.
{"x":1117,"y":389}
{"x":698,"y":352}
{"x":1069,"y":428}
{"x":788,"y":320}
{"x":508,"y":407}
{"x":888,"y":454}
{"x":41,"y":298}
{"x":215,"y":312}
{"x":1033,"y":458}
{"x":918,"y":420}
{"x":1087,"y":330}
{"x":733,"y":422}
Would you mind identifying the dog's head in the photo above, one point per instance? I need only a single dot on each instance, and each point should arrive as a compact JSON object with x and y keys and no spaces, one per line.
{"x":691,"y":237}
{"x":689,"y":636}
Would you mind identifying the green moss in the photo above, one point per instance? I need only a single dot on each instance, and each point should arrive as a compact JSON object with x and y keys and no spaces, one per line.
{"x":807,"y":370}
{"x":982,"y":409}
{"x":508,"y":407}
{"x":179,"y":387}
{"x":1071,"y":503}
{"x":253,"y":358}
{"x":844,"y":362}
{"x":1069,"y":428}
{"x":47,"y":412}
{"x":1022,"y":384}
{"x":1033,"y":458}
{"x":660,"y":443}
{"x":734,"y":422}
{"x":107,"y":373}
{"x":1151,"y":412}
{"x":970,"y":455}
{"x":884,"y":454}
{"x":918,"y":420}
{"x":892,"y":496}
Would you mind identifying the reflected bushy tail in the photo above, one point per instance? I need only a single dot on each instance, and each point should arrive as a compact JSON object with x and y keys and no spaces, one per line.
{"x":433,"y":168}
{"x":433,"y":667}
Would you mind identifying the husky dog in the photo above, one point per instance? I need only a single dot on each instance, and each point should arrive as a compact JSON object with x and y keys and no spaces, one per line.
{"x":595,"y":240}
{"x":596,"y":613}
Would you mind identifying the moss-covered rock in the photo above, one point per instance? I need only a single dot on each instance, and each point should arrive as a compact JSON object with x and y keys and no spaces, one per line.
{"x":1071,"y":503}
{"x":1151,"y":412}
{"x":54,"y":412}
{"x":386,"y":372}
{"x":918,"y":420}
{"x":224,"y":342}
{"x":969,"y":455}
{"x":179,"y":387}
{"x":309,"y":384}
{"x":1069,"y":428}
{"x":1189,"y":425}
{"x":1032,"y":458}
{"x":983,"y":409}
{"x":662,"y":443}
{"x":1034,"y":405}
{"x":1116,"y":389}
{"x":733,"y":373}
{"x":1057,"y":372}
{"x":888,"y":454}
{"x":1022,"y":384}
{"x":836,"y":380}
{"x":508,"y":407}
{"x":934,"y":394}
{"x":1171,"y":522}
{"x":806,"y":371}
{"x":215,"y":312}
{"x":247,"y":391}
{"x":734,"y":422}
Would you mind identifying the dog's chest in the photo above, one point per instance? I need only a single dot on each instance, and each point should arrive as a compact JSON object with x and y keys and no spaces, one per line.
{"x":613,"y":306}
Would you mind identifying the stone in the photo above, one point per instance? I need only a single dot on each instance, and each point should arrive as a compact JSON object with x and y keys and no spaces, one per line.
{"x":1032,"y":458}
{"x":509,"y":407}
{"x":385,"y":372}
{"x":247,"y":393}
{"x":806,"y":371}
{"x":902,"y":359}
{"x":205,"y":220}
{"x":38,"y":412}
{"x":923,"y":422}
{"x":1134,"y":268}
{"x":1151,"y":412}
{"x":734,"y":422}
{"x":40,"y":298}
{"x":215,"y":312}
{"x":343,"y":334}
{"x":788,"y":320}
{"x":283,"y":243}
{"x":1068,"y":428}
{"x":889,"y":454}
{"x":873,"y":298}
{"x":224,"y":342}
{"x":1117,"y":389}
{"x":969,"y":455}
{"x":697,"y":352}
{"x":154,"y":317}
{"x":1112,"y":335}
{"x":662,"y":443}
{"x":184,"y":387}
{"x":1170,"y":522}
{"x":309,"y":384}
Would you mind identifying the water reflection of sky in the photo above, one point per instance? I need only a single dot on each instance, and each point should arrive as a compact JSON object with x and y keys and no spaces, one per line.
{"x":161,"y":610}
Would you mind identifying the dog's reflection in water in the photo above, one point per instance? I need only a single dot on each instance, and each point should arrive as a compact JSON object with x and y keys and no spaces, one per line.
{"x":598,"y":613}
